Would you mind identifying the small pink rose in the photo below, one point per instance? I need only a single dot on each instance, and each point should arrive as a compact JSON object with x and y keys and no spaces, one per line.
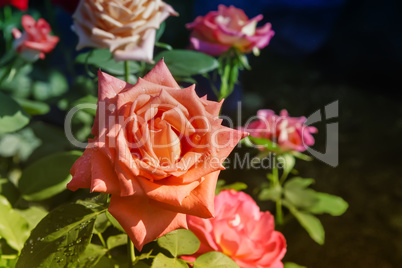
{"x":36,"y":40}
{"x":289,"y":133}
{"x":218,"y":31}
{"x":241,"y":231}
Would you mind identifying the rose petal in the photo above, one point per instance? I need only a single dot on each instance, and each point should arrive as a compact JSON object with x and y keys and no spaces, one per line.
{"x":142,"y":221}
{"x":104,"y":177}
{"x":80,"y":172}
{"x":213,"y":49}
{"x":161,"y":75}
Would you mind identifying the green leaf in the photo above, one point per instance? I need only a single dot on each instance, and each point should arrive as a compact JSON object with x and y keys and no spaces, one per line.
{"x":185,"y":63}
{"x":311,"y":224}
{"x":33,"y":215}
{"x":288,"y":164}
{"x":33,"y":107}
{"x":101,"y":223}
{"x":180,"y":242}
{"x":160,"y":31}
{"x":302,"y":156}
{"x":90,"y":257}
{"x":12,"y":116}
{"x":60,"y":238}
{"x":13,"y":227}
{"x":330,"y":204}
{"x":296,"y":193}
{"x":47,"y":176}
{"x":142,"y":264}
{"x":103,"y":59}
{"x":237,"y":186}
{"x":55,"y":138}
{"x":272,"y":193}
{"x":8,"y":263}
{"x":20,"y":86}
{"x":298,"y":183}
{"x":55,"y":85}
{"x":166,"y":262}
{"x":163,"y":45}
{"x":89,"y":99}
{"x":114,"y":222}
{"x":116,"y":241}
{"x":106,"y":262}
{"x":292,"y":265}
{"x":244,"y":62}
{"x":214,"y":259}
{"x":20,"y":144}
{"x":265,"y":143}
{"x":9,"y":191}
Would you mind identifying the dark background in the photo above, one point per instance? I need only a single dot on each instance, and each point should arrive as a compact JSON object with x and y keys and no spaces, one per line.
{"x":325,"y":51}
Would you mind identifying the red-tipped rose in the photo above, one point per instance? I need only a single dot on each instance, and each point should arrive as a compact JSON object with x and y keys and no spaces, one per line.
{"x":20,"y":4}
{"x":36,"y":40}
{"x":218,"y":31}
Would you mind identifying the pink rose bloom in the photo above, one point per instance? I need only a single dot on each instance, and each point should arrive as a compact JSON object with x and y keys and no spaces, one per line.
{"x":289,"y":133}
{"x":158,"y":150}
{"x":218,"y":31}
{"x":20,"y":4}
{"x":241,"y":231}
{"x":36,"y":40}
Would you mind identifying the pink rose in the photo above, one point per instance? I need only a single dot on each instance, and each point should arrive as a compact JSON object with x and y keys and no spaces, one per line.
{"x":289,"y":133}
{"x":126,"y":28}
{"x":158,"y":150}
{"x":228,"y":27}
{"x":241,"y":231}
{"x":36,"y":40}
{"x":20,"y":4}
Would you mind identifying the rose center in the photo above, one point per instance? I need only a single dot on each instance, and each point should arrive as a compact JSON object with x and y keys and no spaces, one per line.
{"x":165,"y":142}
{"x":235,"y":222}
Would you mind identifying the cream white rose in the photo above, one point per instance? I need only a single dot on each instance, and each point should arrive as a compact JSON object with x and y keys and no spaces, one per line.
{"x":126,"y":27}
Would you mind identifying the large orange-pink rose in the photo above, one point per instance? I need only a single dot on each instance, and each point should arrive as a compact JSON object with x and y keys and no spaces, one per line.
{"x":218,"y":31}
{"x":126,"y":28}
{"x":158,"y":150}
{"x":36,"y":40}
{"x":241,"y":231}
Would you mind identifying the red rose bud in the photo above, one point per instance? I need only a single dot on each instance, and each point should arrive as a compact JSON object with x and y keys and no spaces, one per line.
{"x":36,"y":40}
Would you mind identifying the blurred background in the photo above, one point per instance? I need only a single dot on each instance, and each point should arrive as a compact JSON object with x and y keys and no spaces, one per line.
{"x":323,"y":51}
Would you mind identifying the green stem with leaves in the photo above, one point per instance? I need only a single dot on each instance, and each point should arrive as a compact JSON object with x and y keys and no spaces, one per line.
{"x":275,"y":178}
{"x":229,"y":72}
{"x":8,"y":13}
{"x":127,"y":71}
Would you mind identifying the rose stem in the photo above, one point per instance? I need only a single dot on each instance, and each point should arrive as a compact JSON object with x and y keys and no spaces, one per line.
{"x":131,"y":252}
{"x":127,"y":71}
{"x":8,"y":13}
{"x":279,"y":215}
